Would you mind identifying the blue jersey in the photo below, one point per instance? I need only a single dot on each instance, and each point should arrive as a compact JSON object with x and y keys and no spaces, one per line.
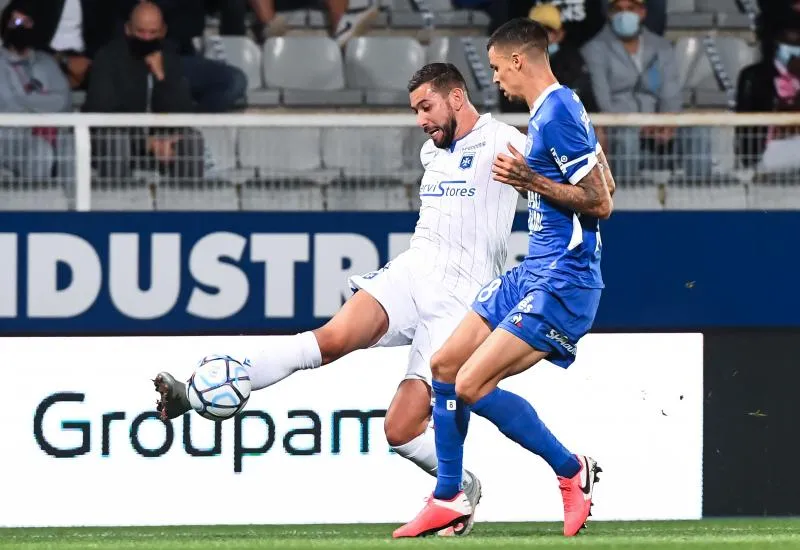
{"x":562,"y":146}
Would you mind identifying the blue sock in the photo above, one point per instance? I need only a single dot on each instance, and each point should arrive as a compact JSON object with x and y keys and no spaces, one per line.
{"x":517,"y":419}
{"x":450,"y":421}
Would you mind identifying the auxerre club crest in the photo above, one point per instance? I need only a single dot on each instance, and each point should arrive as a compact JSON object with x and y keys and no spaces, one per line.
{"x":466,"y":161}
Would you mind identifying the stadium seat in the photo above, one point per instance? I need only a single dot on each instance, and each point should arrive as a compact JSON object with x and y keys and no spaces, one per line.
{"x":690,"y":21}
{"x":134,"y":195}
{"x":687,"y":51}
{"x":384,"y":63}
{"x":717,"y":6}
{"x":377,"y":153}
{"x":202,"y":196}
{"x":31,"y":196}
{"x":238,"y":51}
{"x":283,"y":195}
{"x":680,"y":6}
{"x":221,"y":156}
{"x":281,"y":154}
{"x":726,"y":196}
{"x":309,"y":69}
{"x":455,"y":50}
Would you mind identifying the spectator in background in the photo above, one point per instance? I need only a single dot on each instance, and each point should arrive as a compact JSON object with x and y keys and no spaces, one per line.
{"x":215,"y":86}
{"x":141,"y":73}
{"x":581,"y":19}
{"x":72,"y":30}
{"x":636,"y":71}
{"x":772,"y":84}
{"x":566,"y":60}
{"x":30,"y":82}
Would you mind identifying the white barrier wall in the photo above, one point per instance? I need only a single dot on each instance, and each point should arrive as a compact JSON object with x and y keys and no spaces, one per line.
{"x":79,"y":447}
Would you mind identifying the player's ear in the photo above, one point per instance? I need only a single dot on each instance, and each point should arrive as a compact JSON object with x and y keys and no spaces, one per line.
{"x":457,"y":98}
{"x":516,"y":61}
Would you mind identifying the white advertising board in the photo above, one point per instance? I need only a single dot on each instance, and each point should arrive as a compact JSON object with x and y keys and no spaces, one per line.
{"x":78,"y":446}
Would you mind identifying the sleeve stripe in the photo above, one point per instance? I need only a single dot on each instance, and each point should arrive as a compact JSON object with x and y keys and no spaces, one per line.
{"x":583,"y":170}
{"x":579,"y":159}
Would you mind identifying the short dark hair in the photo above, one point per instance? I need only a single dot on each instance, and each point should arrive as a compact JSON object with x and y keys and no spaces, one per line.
{"x":442,"y":77}
{"x":519,"y":32}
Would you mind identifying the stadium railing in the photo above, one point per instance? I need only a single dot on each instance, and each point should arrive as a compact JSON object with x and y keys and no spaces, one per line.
{"x":340,"y":161}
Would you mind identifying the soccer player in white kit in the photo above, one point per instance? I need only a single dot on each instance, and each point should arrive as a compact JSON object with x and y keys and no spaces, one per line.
{"x":419,"y":297}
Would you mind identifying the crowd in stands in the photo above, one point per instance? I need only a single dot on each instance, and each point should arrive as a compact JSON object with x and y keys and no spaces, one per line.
{"x":130,"y":56}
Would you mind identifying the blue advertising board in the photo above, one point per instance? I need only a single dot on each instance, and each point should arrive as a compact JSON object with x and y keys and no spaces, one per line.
{"x":182,"y":273}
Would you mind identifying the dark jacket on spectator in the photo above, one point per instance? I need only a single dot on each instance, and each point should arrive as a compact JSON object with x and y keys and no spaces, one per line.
{"x":119,"y":83}
{"x":99,"y":18}
{"x":756,"y":93}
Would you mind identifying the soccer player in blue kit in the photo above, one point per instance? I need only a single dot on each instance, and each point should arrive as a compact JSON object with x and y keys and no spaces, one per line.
{"x":542,"y":307}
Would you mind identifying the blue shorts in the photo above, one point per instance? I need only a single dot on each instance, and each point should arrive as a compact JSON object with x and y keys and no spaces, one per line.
{"x":550,"y":315}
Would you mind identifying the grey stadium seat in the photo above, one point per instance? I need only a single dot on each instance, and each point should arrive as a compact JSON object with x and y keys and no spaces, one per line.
{"x":680,"y":6}
{"x":383,"y":65}
{"x":309,"y":69}
{"x":30,"y":196}
{"x":453,"y":49}
{"x":717,"y":6}
{"x":284,"y":154}
{"x":240,"y":52}
{"x":207,"y":195}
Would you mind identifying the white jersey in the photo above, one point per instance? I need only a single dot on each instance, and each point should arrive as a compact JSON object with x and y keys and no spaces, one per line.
{"x":465,"y":218}
{"x":459,"y":244}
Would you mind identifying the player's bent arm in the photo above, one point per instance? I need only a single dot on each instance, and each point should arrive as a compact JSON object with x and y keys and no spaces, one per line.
{"x":590,"y":196}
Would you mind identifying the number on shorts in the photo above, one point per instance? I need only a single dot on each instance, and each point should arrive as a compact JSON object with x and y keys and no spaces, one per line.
{"x":488,"y":290}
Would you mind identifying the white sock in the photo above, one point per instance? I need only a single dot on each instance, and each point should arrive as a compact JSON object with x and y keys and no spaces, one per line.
{"x":279,"y":356}
{"x":422,"y":451}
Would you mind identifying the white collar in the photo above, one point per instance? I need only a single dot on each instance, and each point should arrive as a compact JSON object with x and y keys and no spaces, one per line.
{"x":539,"y":100}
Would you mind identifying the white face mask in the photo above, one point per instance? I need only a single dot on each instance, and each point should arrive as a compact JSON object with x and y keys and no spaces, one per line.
{"x":625,"y":24}
{"x":786,"y":52}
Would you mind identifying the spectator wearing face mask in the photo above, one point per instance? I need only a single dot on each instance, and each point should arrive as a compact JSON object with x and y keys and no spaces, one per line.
{"x":634,"y":70}
{"x":770,"y":85}
{"x":141,"y":73}
{"x":30,"y":82}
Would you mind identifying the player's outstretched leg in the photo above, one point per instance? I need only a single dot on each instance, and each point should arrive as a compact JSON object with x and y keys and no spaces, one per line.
{"x":449,"y":505}
{"x":503,"y":355}
{"x":408,"y":432}
{"x":360,"y":323}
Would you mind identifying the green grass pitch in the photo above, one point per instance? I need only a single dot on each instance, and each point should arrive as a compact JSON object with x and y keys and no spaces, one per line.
{"x":728,"y":534}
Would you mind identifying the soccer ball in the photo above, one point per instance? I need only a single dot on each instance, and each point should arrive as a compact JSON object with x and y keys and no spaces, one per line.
{"x":219,"y":387}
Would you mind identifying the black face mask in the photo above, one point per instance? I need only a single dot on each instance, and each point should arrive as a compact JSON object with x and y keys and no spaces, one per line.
{"x":143,"y":48}
{"x":18,"y":38}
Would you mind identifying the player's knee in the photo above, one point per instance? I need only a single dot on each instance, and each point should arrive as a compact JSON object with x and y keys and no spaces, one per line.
{"x":332,"y":343}
{"x":397,"y":432}
{"x":443,"y":367}
{"x":467,"y":389}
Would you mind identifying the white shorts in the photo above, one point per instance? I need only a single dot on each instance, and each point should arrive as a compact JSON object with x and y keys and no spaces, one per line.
{"x":422,"y":312}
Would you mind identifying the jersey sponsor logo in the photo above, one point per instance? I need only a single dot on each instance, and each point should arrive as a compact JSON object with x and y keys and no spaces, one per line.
{"x":516,"y":320}
{"x":466,"y":161}
{"x":453,"y":188}
{"x":562,"y":340}
{"x":475,"y":146}
{"x":561,"y":160}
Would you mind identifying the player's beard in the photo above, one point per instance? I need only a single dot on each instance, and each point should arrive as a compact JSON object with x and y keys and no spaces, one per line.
{"x":447,"y":132}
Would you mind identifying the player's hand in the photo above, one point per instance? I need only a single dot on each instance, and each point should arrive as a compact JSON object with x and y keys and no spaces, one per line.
{"x":155,"y":62}
{"x":514,"y":170}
